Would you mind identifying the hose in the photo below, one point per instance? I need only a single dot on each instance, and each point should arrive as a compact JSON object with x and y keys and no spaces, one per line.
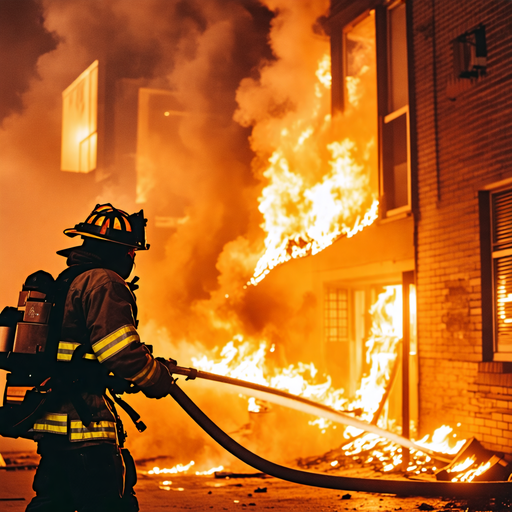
{"x":384,"y":486}
{"x":308,"y":406}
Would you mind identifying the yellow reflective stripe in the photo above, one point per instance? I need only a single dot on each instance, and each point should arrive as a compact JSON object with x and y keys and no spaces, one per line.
{"x":146,"y":374}
{"x":114,"y":342}
{"x":96,"y":430}
{"x":53,"y":423}
{"x":66,"y":350}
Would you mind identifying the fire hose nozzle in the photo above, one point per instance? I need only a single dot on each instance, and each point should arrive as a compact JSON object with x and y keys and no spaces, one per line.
{"x":192,"y":375}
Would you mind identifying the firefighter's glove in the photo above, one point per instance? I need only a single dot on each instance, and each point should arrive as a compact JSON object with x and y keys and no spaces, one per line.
{"x":162,"y":387}
{"x":170,"y":364}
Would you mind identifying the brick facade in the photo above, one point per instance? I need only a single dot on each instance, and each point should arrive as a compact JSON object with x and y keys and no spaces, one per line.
{"x":463,"y":144}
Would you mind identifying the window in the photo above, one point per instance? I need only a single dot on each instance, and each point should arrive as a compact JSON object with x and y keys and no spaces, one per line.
{"x":79,"y":122}
{"x":395,"y":119}
{"x":496,"y":257}
{"x":336,"y":315}
{"x":343,"y":358}
{"x":370,"y":77}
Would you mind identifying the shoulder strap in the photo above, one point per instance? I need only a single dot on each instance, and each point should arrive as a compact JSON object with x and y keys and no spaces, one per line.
{"x":62,"y":286}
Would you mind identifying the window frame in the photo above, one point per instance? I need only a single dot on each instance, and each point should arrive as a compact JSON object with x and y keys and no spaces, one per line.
{"x":382,"y":15}
{"x":488,"y":258}
{"x":343,"y":22}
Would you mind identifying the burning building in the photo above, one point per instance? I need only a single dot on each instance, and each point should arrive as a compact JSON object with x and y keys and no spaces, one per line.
{"x":333,"y":200}
{"x":443,"y":188}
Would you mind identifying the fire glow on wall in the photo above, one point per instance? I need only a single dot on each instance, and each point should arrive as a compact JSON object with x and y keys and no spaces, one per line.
{"x":79,"y":122}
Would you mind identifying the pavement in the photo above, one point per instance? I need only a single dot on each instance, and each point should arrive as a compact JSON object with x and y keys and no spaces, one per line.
{"x":198,"y":493}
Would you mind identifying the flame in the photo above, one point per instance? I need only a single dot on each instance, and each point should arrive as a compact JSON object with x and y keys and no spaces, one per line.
{"x":377,"y":449}
{"x":472,"y":473}
{"x":179,"y":468}
{"x":461,"y":466}
{"x":240,"y":360}
{"x":302,"y":215}
{"x":247,"y":360}
{"x":381,"y":350}
{"x":441,"y":441}
{"x":210,"y":471}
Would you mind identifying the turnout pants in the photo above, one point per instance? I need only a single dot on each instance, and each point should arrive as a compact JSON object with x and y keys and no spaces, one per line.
{"x":86,"y":479}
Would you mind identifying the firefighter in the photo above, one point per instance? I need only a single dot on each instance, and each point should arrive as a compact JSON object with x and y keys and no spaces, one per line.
{"x":82,"y":464}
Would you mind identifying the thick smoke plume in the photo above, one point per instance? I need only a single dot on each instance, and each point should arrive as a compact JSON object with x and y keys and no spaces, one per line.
{"x":192,"y":295}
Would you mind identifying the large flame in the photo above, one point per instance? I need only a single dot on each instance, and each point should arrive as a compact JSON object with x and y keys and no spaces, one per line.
{"x":247,"y":360}
{"x":244,"y":359}
{"x":317,"y":170}
{"x":300,"y":217}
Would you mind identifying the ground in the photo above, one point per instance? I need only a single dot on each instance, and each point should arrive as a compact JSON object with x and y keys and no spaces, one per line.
{"x":197,"y":493}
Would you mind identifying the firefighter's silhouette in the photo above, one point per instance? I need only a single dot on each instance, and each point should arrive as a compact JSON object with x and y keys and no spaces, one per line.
{"x":80,"y":439}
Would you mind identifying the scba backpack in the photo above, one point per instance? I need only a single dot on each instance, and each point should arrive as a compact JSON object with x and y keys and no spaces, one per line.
{"x":29,"y":339}
{"x":36,"y":381}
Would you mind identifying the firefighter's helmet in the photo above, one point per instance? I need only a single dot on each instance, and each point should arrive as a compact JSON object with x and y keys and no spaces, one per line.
{"x":113,"y":225}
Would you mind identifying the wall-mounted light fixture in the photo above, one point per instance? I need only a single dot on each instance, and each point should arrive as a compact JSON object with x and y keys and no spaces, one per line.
{"x":470,"y":53}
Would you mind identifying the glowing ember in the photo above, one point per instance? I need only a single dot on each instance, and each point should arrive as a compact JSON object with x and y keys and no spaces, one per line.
{"x":253,"y":406}
{"x":181,"y":468}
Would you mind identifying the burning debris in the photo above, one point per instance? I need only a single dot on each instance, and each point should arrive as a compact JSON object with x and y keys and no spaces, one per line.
{"x":471,"y":461}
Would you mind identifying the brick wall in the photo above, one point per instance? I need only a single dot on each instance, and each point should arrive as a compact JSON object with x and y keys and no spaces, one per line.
{"x":463,"y":147}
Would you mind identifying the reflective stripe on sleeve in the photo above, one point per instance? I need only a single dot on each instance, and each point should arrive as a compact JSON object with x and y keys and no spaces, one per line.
{"x":114,"y":342}
{"x":96,"y":430}
{"x":52,"y":423}
{"x":66,"y":350}
{"x":146,"y":374}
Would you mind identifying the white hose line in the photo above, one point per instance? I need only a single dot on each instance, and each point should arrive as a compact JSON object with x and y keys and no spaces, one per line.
{"x":299,"y":403}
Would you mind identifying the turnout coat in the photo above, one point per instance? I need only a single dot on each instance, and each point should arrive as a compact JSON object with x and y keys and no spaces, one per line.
{"x":99,"y":329}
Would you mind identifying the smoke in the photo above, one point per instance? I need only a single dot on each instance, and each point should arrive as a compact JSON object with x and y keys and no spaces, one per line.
{"x":192,"y":296}
{"x":23,"y":39}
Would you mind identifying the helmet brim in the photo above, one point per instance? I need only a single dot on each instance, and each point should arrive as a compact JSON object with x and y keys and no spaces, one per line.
{"x":72,"y":232}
